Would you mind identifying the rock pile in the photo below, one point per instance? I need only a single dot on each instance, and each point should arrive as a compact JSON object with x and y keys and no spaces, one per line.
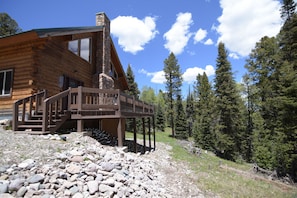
{"x":106,"y":139}
{"x":85,"y":169}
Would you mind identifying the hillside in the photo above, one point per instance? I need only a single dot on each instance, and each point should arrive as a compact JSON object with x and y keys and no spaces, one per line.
{"x":82,"y":167}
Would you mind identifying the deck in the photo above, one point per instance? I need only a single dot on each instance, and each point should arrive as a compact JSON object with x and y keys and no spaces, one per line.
{"x":41,"y":114}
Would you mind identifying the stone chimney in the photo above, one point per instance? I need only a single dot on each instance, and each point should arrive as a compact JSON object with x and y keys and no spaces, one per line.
{"x":103,"y":65}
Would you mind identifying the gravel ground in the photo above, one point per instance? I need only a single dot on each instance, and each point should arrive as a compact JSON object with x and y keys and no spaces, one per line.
{"x":175,"y":177}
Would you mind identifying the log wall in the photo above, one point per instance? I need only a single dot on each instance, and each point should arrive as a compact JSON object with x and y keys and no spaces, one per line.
{"x":19,"y":59}
{"x":56,"y":60}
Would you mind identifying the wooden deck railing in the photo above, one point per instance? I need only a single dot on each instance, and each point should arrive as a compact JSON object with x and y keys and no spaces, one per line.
{"x":87,"y":100}
{"x":54,"y":108}
{"x":26,"y":106}
{"x":82,"y":102}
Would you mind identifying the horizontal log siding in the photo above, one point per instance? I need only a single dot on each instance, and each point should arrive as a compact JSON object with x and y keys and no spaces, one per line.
{"x":56,"y":60}
{"x":18,"y":58}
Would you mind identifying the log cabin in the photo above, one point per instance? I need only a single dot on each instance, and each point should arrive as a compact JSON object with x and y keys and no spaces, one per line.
{"x":54,"y":75}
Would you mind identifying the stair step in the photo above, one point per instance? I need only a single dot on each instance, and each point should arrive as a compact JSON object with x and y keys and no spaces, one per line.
{"x":32,"y":132}
{"x":29,"y":126}
{"x":33,"y":121}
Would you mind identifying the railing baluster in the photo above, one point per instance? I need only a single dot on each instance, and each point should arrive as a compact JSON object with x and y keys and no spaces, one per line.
{"x":36,"y":103}
{"x":133,"y":104}
{"x":15,"y":116}
{"x":45,"y":116}
{"x":30,"y":107}
{"x":24,"y":111}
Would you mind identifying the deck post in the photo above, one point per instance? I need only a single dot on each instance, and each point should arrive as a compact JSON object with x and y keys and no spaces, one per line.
{"x":149,"y":133}
{"x":120,"y":134}
{"x":45,"y":116}
{"x":15,"y":116}
{"x":80,"y":125}
{"x":79,"y":98}
{"x":135,"y":135}
{"x":154,"y":133}
{"x":143,"y":132}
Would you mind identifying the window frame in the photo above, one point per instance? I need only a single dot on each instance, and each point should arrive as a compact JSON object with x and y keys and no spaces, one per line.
{"x":113,"y":73}
{"x":4,"y":83}
{"x":79,"y":49}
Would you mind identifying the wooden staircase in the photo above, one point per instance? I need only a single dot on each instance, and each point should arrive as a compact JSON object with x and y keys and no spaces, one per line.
{"x":37,"y":114}
{"x":34,"y":124}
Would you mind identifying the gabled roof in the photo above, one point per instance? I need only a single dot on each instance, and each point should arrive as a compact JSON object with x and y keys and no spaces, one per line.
{"x":44,"y":33}
{"x":66,"y":31}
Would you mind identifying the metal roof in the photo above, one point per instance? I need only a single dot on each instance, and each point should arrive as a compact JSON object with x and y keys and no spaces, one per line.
{"x":45,"y":32}
{"x":66,"y":30}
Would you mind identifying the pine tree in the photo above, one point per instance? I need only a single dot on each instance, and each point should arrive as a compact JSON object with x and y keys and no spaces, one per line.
{"x":8,"y":26}
{"x":160,"y":120}
{"x":190,"y":112}
{"x":133,"y":87}
{"x":161,"y":102}
{"x":174,"y":80}
{"x":229,"y":121}
{"x":248,"y":92}
{"x":133,"y":91}
{"x":180,"y":120}
{"x":263,"y":73}
{"x":286,"y":160}
{"x":203,"y":129}
{"x":288,"y":9}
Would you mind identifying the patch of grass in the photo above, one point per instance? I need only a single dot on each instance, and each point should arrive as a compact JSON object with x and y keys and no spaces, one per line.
{"x":222,"y":177}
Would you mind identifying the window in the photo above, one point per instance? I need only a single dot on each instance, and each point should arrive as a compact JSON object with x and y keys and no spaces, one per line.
{"x":5,"y":82}
{"x":113,"y":73}
{"x":81,"y":47}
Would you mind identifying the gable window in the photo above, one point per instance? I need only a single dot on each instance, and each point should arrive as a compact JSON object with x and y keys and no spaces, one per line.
{"x":81,"y":47}
{"x":113,"y":73}
{"x":5,"y":82}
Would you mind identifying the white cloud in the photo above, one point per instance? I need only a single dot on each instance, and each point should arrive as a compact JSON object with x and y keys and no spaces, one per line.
{"x":208,"y":42}
{"x":157,"y":77}
{"x":133,"y":33}
{"x":178,"y":36}
{"x":191,"y":73}
{"x":234,"y":56}
{"x":200,"y":35}
{"x":245,"y":22}
{"x":189,"y":76}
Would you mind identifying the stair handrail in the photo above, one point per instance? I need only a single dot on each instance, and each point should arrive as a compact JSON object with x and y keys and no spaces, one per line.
{"x":37,"y":97}
{"x":46,"y":118}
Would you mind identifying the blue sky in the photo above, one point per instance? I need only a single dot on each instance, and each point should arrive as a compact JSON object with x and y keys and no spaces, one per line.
{"x":145,"y":32}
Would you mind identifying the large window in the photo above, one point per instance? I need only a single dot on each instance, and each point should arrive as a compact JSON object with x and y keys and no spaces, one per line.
{"x":81,"y":47}
{"x":5,"y":82}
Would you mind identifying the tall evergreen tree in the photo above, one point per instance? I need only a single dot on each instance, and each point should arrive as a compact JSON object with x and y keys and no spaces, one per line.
{"x":203,"y":130}
{"x":190,"y":112}
{"x":173,"y":82}
{"x":180,"y":120}
{"x":8,"y":26}
{"x":133,"y":91}
{"x":229,"y":126}
{"x":160,"y":119}
{"x":133,"y":87}
{"x":286,"y":160}
{"x":288,"y":9}
{"x":263,"y":74}
{"x":161,"y":101}
{"x":248,"y":92}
